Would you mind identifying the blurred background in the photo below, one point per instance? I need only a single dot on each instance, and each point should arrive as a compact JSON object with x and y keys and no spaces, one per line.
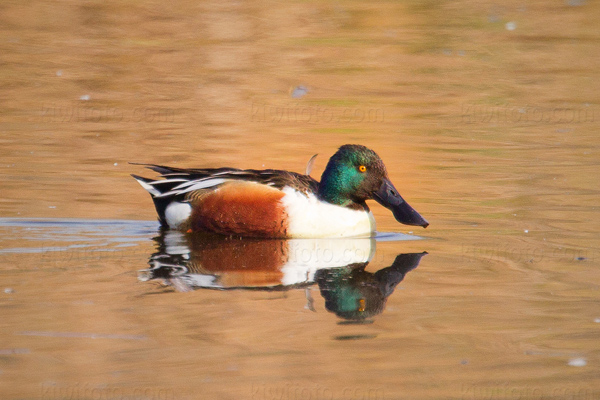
{"x":485,"y":113}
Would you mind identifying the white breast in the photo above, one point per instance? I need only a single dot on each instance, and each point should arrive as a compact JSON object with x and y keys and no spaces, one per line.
{"x":310,"y":217}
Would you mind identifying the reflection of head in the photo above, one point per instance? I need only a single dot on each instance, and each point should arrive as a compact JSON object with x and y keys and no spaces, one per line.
{"x":355,"y":294}
{"x":350,"y":292}
{"x":189,"y":262}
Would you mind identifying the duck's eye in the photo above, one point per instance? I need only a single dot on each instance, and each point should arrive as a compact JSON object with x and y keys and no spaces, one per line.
{"x":361,"y":305}
{"x":362,"y":168}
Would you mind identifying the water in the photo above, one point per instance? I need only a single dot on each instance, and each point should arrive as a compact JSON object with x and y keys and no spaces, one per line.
{"x":485,"y":116}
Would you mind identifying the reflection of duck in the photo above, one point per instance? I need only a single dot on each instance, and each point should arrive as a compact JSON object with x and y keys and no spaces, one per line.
{"x":355,"y":294}
{"x":192,"y":261}
{"x":206,"y":261}
{"x":279,"y":204}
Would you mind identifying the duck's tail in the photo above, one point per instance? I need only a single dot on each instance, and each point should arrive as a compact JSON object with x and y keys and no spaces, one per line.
{"x":157,"y":191}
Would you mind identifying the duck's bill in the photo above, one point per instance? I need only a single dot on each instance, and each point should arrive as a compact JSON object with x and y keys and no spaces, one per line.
{"x":388,"y":196}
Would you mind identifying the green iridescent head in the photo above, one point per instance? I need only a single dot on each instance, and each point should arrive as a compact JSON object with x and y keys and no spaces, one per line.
{"x":355,"y":174}
{"x":351,"y":176}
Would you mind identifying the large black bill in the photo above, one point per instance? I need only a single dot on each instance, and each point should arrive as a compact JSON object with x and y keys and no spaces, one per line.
{"x":388,"y":196}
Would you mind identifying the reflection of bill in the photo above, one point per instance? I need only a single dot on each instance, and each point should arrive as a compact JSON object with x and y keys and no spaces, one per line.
{"x":191,"y":261}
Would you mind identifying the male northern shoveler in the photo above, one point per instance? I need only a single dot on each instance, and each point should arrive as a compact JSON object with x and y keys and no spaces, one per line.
{"x":279,"y":204}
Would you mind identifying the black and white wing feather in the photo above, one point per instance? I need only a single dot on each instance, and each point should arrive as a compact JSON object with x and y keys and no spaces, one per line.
{"x":177,"y":184}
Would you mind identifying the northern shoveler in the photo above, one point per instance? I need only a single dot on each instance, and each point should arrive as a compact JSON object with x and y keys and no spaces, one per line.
{"x":279,"y":204}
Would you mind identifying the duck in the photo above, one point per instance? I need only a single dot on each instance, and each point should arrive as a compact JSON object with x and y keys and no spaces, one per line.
{"x":281,"y":204}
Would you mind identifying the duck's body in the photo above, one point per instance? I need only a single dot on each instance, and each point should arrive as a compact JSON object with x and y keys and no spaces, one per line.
{"x":276,"y":203}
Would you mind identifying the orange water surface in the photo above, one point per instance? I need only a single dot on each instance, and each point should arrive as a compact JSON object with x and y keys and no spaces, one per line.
{"x":485,"y":114}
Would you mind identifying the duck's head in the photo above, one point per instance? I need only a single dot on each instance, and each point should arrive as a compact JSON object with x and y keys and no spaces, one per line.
{"x":355,"y":174}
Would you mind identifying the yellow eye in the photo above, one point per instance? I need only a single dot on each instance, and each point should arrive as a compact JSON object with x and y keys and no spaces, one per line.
{"x":361,"y":305}
{"x":362,"y":168}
